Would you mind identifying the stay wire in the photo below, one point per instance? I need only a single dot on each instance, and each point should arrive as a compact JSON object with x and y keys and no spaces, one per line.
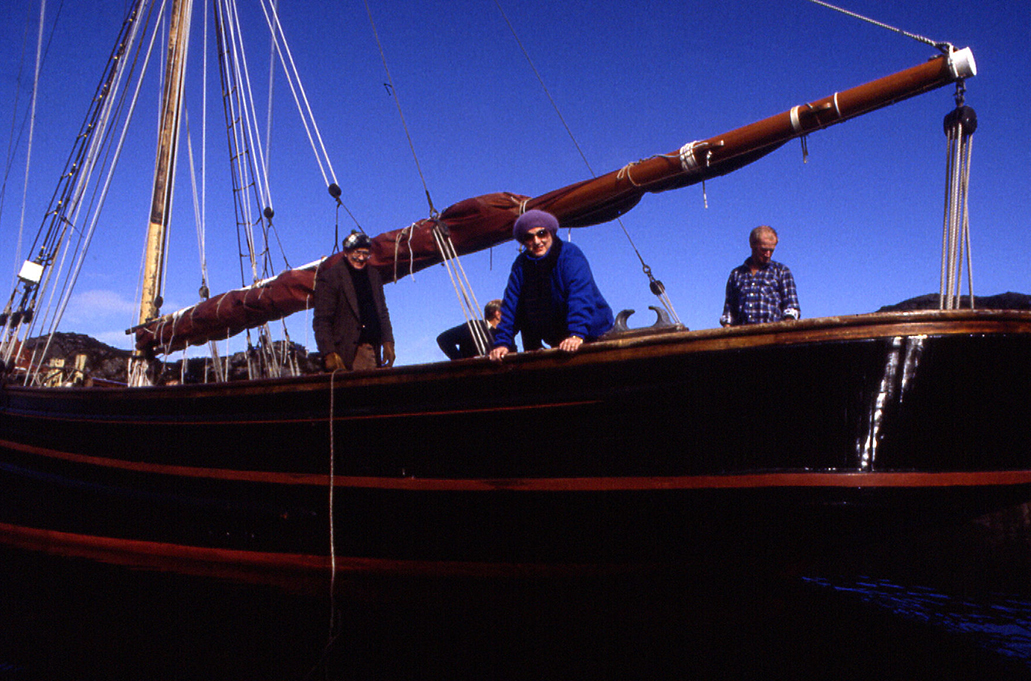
{"x":943,"y":46}
{"x":100,"y":144}
{"x":463,"y":289}
{"x":655,"y":285}
{"x":300,"y":96}
{"x":397,"y":103}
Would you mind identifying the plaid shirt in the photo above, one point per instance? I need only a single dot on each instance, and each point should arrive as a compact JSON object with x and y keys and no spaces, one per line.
{"x":769,"y":295}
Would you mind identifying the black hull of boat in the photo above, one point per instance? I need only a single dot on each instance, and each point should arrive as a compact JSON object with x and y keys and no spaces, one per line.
{"x":643,"y":452}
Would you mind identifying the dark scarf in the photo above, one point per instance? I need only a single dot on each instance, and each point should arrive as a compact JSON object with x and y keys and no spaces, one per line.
{"x":541,"y":317}
{"x":369,"y":317}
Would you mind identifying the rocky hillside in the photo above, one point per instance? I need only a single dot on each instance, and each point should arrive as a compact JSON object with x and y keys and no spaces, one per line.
{"x":1000,"y":301}
{"x":105,"y":363}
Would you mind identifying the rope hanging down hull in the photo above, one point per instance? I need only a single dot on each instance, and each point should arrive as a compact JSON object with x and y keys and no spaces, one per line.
{"x":479,"y":223}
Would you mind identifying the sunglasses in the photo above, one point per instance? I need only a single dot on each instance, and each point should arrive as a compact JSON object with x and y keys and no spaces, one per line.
{"x":539,"y":234}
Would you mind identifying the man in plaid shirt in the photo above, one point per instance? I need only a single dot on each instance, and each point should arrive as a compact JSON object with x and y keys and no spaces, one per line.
{"x":760,"y":290}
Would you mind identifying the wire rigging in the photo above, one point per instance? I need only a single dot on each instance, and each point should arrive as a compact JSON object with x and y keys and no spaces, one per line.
{"x":441,"y":235}
{"x":397,"y":102}
{"x":91,"y":152}
{"x":943,"y":46}
{"x":464,"y":291}
{"x":14,"y":141}
{"x":32,"y":123}
{"x":959,"y":125}
{"x":654,"y":284}
{"x":300,"y":97}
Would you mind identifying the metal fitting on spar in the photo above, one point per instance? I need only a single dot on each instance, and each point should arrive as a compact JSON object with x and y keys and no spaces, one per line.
{"x":688,"y":160}
{"x":962,"y":64}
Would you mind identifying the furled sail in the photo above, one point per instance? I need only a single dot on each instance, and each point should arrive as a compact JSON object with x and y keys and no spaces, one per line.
{"x":479,"y":223}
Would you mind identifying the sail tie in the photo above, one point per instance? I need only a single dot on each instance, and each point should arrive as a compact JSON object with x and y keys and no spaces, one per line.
{"x":624,"y":172}
{"x":405,"y":233}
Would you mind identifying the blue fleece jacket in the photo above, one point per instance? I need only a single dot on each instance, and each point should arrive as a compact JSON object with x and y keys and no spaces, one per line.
{"x":572,"y":287}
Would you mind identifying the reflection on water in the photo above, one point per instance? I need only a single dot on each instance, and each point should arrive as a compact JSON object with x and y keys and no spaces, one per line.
{"x":995,"y":621}
{"x":76,"y":620}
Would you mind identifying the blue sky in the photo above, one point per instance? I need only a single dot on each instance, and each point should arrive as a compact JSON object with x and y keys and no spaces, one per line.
{"x":860,"y":222}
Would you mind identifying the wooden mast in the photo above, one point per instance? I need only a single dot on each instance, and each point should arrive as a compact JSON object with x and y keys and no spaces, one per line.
{"x":164,"y":169}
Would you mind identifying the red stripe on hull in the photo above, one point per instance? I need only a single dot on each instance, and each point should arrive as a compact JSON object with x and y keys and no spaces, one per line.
{"x":297,"y":572}
{"x":808,"y":479}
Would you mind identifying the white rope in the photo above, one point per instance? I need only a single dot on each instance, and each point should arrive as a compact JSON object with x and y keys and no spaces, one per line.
{"x":250,"y":116}
{"x":966,"y":220}
{"x":32,"y":127}
{"x":311,"y":128}
{"x":97,"y":142}
{"x":271,"y":90}
{"x":463,"y":289}
{"x":332,"y":485}
{"x":956,"y":222}
{"x":198,"y":216}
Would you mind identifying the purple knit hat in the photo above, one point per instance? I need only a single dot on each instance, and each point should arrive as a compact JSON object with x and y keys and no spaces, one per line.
{"x":532,"y":220}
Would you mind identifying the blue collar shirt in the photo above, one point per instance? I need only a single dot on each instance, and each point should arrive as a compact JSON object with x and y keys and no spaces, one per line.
{"x":768,"y":295}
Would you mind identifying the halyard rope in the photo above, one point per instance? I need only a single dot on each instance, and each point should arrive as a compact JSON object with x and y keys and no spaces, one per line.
{"x":332,"y":533}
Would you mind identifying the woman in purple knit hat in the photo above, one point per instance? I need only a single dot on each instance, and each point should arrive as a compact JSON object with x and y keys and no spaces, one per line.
{"x":551,"y":296}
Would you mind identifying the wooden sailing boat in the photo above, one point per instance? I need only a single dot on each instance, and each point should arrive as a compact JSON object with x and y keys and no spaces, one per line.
{"x":633,"y":464}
